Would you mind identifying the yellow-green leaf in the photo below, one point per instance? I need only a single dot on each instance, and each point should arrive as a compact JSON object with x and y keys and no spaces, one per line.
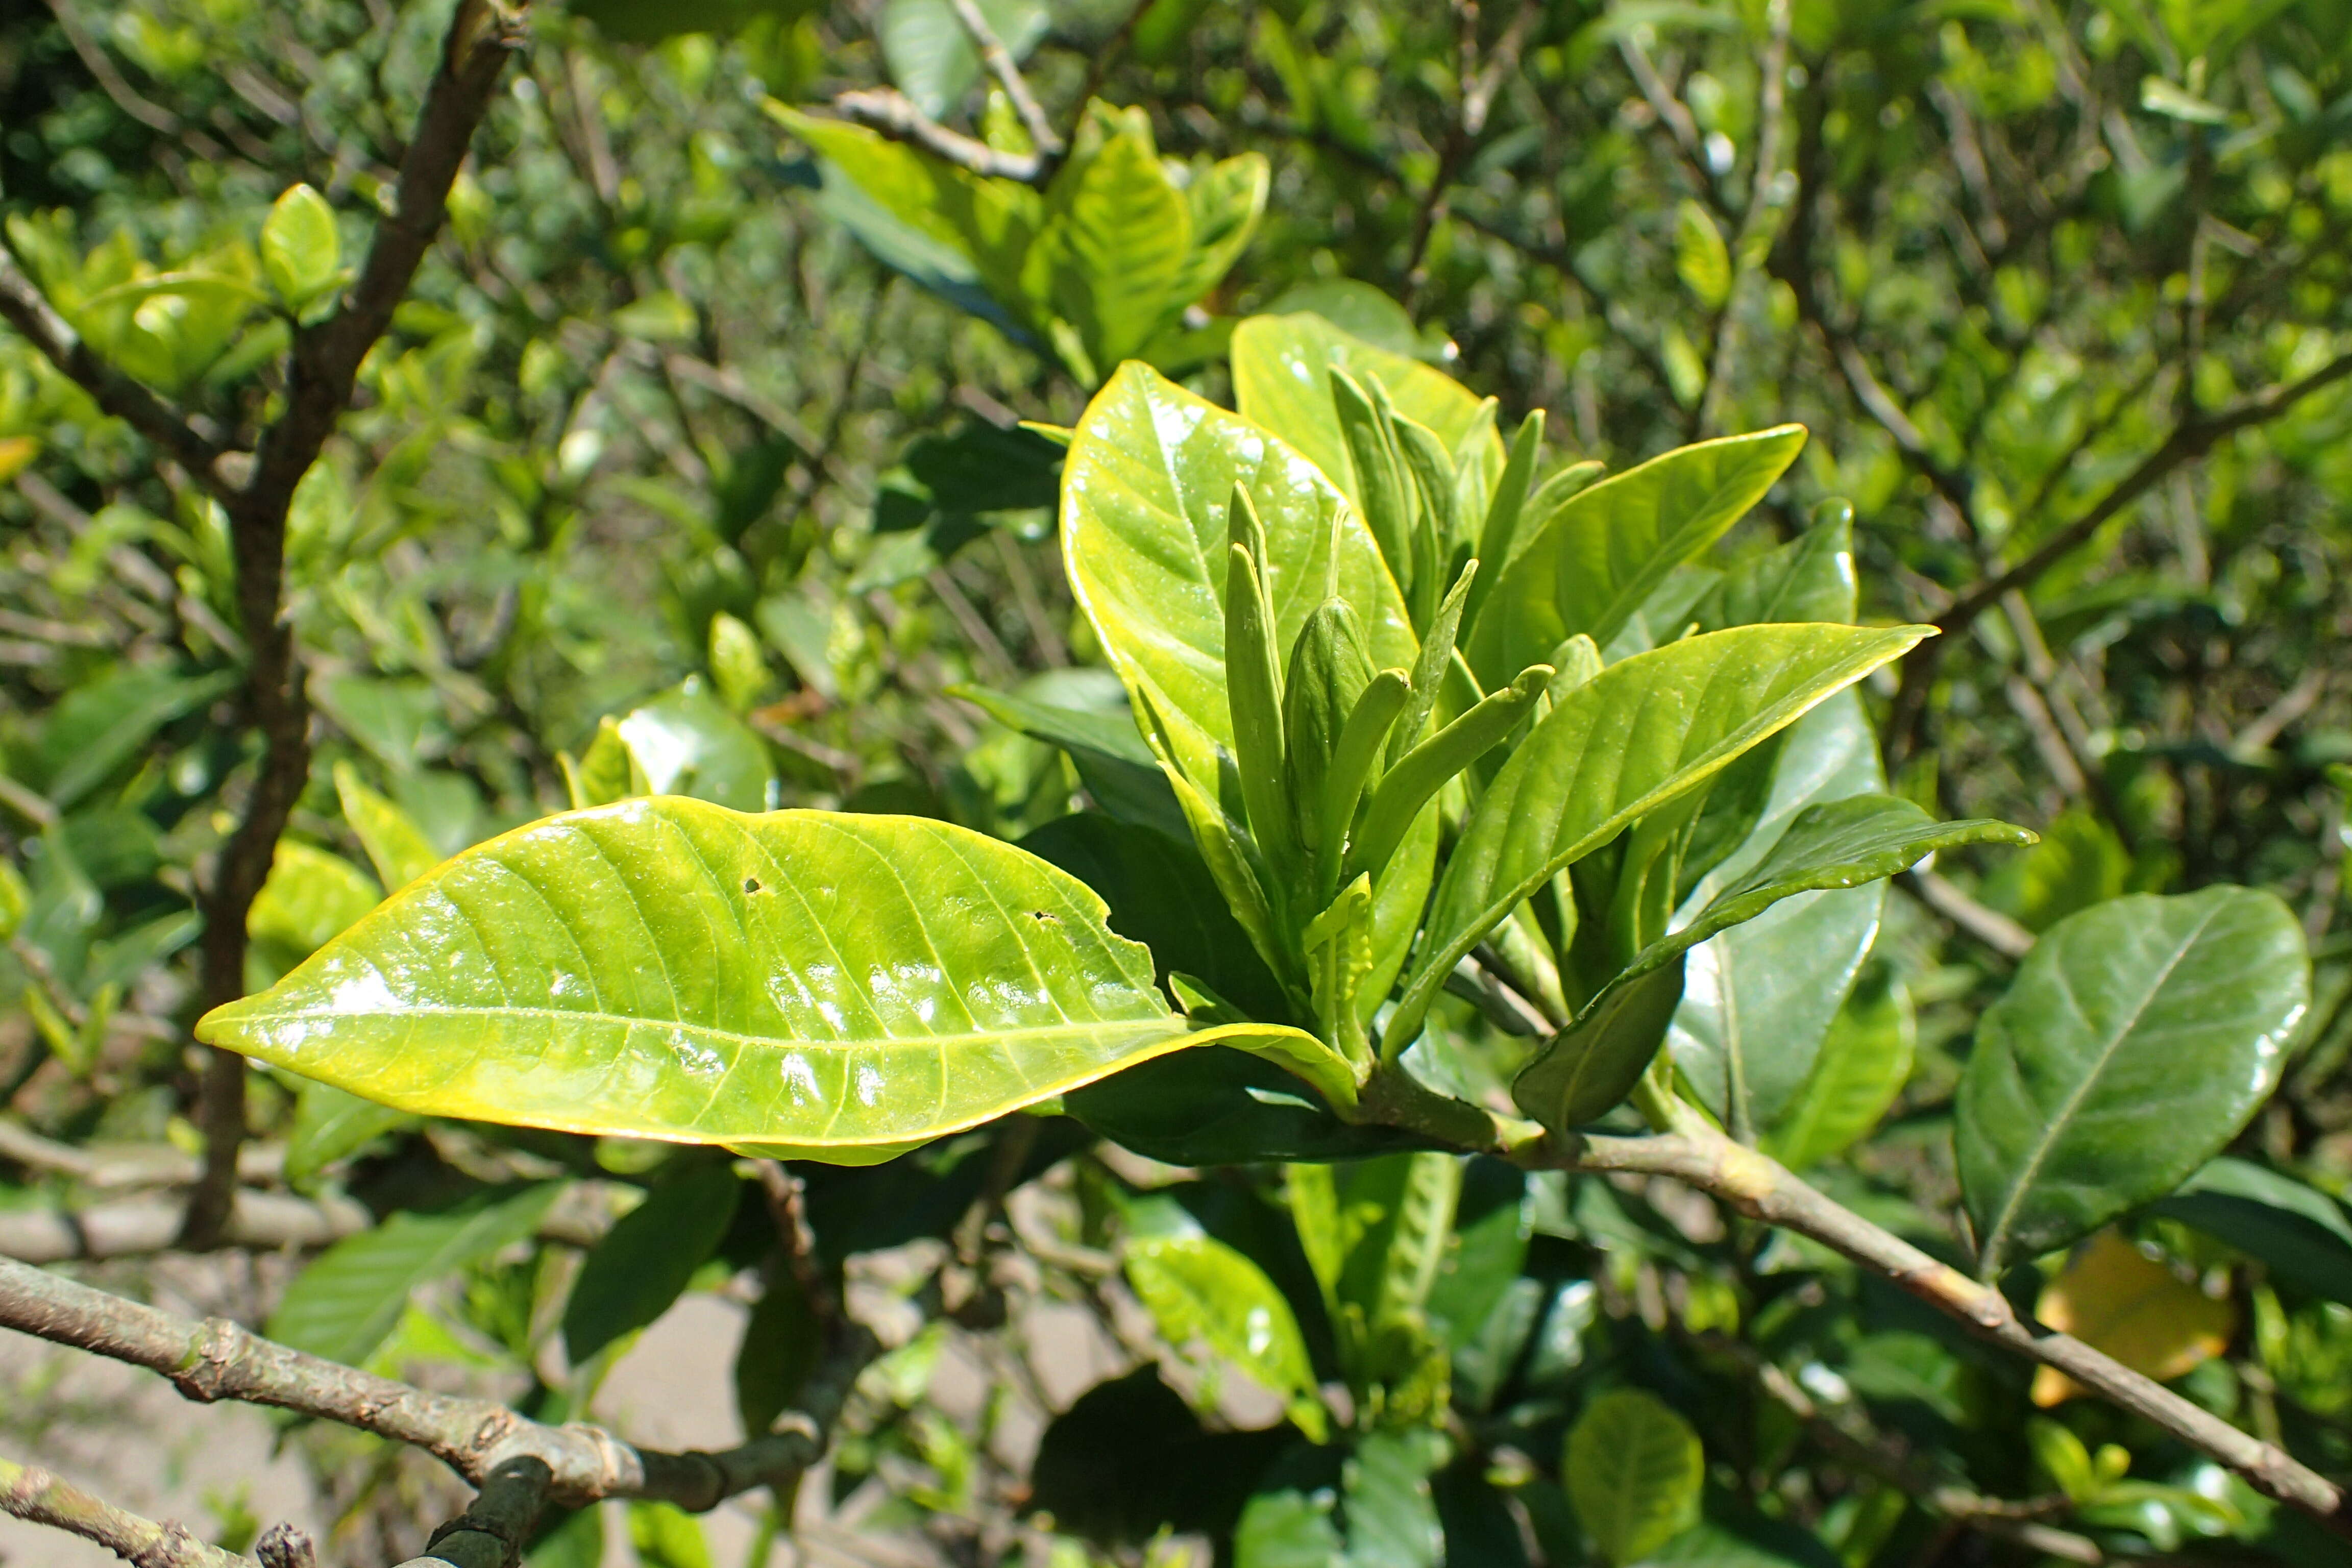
{"x":666,"y":968}
{"x":301,"y":251}
{"x":2117,"y":1299}
{"x":394,"y":843}
{"x":1633,"y":1469}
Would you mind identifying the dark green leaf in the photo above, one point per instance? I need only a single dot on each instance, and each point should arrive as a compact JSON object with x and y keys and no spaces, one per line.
{"x":2136,"y":1039}
{"x":1633,"y":1471}
{"x":782,"y":1340}
{"x":2303,"y":1235}
{"x":1118,"y":769}
{"x":631,"y":1276}
{"x":1218,"y":1107}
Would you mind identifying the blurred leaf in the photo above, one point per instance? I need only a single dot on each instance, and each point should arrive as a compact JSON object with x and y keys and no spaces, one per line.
{"x":666,"y":1536}
{"x":302,"y":252}
{"x":347,"y":1299}
{"x":1633,"y":1471}
{"x":2119,"y":1301}
{"x":642,"y":1265}
{"x":394,"y":843}
{"x":2136,"y":1039}
{"x":687,"y":743}
{"x":1288,"y":1530}
{"x":2301,"y":1235}
{"x":98,"y":726}
{"x":1701,"y":257}
{"x":1392,"y":1517}
{"x":782,"y":1340}
{"x":1213,"y":1106}
{"x":1130,"y":1460}
{"x":931,"y":55}
{"x":651,"y":21}
{"x":1118,"y":769}
{"x":329,"y":1124}
{"x":1198,"y":1288}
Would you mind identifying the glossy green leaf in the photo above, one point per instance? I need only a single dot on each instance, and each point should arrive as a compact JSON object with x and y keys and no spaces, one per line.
{"x":1862,"y":1064}
{"x":1515,"y":486}
{"x":1759,"y":999}
{"x":2303,"y":1235}
{"x":603,"y":773}
{"x":1633,"y":1470}
{"x":343,"y":1304}
{"x":1198,"y":1288}
{"x":1620,"y":745}
{"x":1588,"y":565}
{"x":665,"y":968}
{"x":301,"y":254}
{"x":2136,"y":1039}
{"x":1282,"y":366}
{"x":1421,"y":772}
{"x":1321,"y":687}
{"x":1144,"y":496}
{"x":1117,"y":235}
{"x":687,"y":743}
{"x":642,"y":1265}
{"x":1810,"y":578}
{"x":395,"y":846}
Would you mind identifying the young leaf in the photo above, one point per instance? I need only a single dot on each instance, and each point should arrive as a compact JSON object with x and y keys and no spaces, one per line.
{"x":1226,"y":199}
{"x":2137,"y":1038}
{"x":1254,"y":696}
{"x":1633,"y":1469}
{"x":1622,"y":745}
{"x":1112,"y":255}
{"x":1864,"y":1062}
{"x":1281,"y":368}
{"x":1383,"y":491}
{"x":1421,"y":772}
{"x":1435,"y":663}
{"x":394,"y":843}
{"x":1592,"y":562}
{"x":301,"y":254}
{"x":1701,"y":257}
{"x":642,"y":1265}
{"x":666,"y":968}
{"x":1198,"y":1288}
{"x":1329,"y":672}
{"x":1144,"y":497}
{"x":1359,"y":745}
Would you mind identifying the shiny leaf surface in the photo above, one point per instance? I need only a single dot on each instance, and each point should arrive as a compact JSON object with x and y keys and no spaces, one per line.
{"x":1622,"y":744}
{"x":1146,"y":486}
{"x":2136,"y":1039}
{"x":1589,"y":565}
{"x":1282,"y":367}
{"x":1198,"y":1288}
{"x":665,"y":968}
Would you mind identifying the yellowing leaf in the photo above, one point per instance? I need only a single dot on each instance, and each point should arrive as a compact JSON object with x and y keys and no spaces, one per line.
{"x":15,"y":453}
{"x":2115,"y":1299}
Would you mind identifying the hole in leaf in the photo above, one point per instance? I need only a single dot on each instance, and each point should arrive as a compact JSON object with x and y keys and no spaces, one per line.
{"x":751,"y":884}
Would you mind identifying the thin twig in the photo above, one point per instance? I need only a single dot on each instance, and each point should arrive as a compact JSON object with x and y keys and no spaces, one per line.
{"x":1696,"y":1154}
{"x":218,"y":1359}
{"x":36,"y":1496}
{"x":322,"y":372}
{"x":894,"y":114}
{"x":1990,"y":927}
{"x":1000,"y":63}
{"x":493,"y":1530}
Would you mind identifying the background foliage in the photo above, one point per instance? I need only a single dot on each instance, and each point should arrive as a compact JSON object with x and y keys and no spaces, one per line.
{"x":691,"y":464}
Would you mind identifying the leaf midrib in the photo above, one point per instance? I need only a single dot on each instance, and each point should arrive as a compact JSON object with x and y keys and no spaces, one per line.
{"x":1040,"y":1031}
{"x":1996,"y":1239}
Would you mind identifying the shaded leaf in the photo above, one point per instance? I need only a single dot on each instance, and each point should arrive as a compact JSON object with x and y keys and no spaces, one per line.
{"x":632,"y":1275}
{"x":1220,"y":1107}
{"x":1633,"y":1471}
{"x":343,"y":1304}
{"x":1864,"y":1062}
{"x":394,"y":843}
{"x":2303,"y":1235}
{"x":2136,"y":1039}
{"x":1118,"y":769}
{"x":931,"y":55}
